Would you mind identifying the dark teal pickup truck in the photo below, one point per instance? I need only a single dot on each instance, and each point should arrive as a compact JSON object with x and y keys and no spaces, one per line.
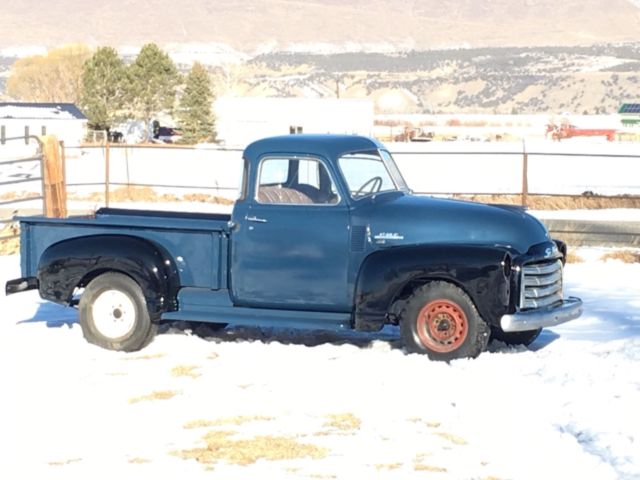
{"x":325,"y":235}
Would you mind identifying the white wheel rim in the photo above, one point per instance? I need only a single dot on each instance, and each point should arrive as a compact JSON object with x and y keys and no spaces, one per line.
{"x":114,"y":314}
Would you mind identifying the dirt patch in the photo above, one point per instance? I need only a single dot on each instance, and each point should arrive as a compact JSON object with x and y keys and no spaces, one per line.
{"x":220,"y":446}
{"x":185,"y":371}
{"x":239,"y":420}
{"x":625,"y":256}
{"x":157,"y":395}
{"x":546,"y":202}
{"x":387,"y":466}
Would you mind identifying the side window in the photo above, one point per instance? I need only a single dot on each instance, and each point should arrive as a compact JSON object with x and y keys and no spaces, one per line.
{"x":295,"y":181}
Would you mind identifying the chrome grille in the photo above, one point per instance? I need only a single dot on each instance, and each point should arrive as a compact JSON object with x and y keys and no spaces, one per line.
{"x":541,"y":285}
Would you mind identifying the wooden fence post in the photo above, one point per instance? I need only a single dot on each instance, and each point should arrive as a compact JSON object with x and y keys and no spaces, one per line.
{"x":55,"y":189}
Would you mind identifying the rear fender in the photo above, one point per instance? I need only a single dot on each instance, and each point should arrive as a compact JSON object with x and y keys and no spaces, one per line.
{"x":385,"y":276}
{"x":73,"y":263}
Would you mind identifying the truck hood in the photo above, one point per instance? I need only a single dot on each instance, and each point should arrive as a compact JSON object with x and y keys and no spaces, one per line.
{"x":403,"y":219}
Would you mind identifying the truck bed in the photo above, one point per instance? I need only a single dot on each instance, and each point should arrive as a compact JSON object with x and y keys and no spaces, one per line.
{"x":195,"y":240}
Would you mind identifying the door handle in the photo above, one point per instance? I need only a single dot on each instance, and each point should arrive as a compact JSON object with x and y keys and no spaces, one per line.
{"x":255,"y":219}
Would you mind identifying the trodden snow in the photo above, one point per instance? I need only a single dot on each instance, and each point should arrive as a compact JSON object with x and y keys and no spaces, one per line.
{"x":564,"y":408}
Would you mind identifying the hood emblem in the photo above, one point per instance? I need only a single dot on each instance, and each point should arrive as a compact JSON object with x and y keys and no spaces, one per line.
{"x":383,"y":237}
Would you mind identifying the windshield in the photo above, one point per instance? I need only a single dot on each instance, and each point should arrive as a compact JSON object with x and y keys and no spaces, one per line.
{"x":370,"y":172}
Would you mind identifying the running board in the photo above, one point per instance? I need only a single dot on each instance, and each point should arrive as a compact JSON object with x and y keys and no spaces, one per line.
{"x":265,"y":317}
{"x":199,"y":305}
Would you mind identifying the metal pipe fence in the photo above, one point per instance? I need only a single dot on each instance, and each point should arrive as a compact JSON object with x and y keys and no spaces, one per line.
{"x":522,"y":188}
{"x":10,"y":179}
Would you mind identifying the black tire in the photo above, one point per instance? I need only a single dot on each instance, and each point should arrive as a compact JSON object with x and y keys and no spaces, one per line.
{"x":113,"y":313}
{"x":440,"y":320}
{"x":525,"y":338}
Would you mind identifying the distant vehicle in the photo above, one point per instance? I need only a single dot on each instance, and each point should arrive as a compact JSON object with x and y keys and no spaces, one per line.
{"x":325,"y":235}
{"x":167,"y":134}
{"x":559,"y":132}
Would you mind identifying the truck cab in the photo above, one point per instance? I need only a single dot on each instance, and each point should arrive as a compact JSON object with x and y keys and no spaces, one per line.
{"x":325,"y":234}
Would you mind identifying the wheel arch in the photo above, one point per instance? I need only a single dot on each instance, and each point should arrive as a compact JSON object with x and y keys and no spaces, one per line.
{"x":385,"y":276}
{"x":73,"y":263}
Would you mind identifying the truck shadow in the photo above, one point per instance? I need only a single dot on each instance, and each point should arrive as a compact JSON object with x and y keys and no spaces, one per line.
{"x":53,"y":315}
{"x":389,"y":335}
{"x":387,"y":338}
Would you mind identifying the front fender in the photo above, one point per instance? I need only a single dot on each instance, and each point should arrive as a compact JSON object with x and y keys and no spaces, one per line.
{"x":73,"y":263}
{"x":387,"y":275}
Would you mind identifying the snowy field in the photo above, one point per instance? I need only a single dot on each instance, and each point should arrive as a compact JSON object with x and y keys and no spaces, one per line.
{"x":278,"y":404}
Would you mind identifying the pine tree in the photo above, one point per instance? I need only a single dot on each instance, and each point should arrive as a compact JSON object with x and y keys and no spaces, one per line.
{"x":196,"y":115}
{"x":154,"y":79}
{"x":104,"y":88}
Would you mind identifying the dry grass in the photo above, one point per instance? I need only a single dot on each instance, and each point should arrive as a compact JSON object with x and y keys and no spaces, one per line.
{"x":428,"y":423}
{"x":625,"y":256}
{"x":203,"y":198}
{"x":62,"y":463}
{"x":150,"y":356}
{"x":185,"y":371}
{"x":18,"y":195}
{"x":219,"y":446}
{"x":343,"y":422}
{"x":139,"y":460}
{"x":456,"y":440}
{"x":573,"y":257}
{"x":423,"y":467}
{"x":157,"y":395}
{"x":544,"y":202}
{"x":148,"y":194}
{"x":387,"y":466}
{"x":238,"y":420}
{"x":9,"y":246}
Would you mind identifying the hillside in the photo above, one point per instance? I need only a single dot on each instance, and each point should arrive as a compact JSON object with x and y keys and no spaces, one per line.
{"x":580,"y":80}
{"x":283,"y":24}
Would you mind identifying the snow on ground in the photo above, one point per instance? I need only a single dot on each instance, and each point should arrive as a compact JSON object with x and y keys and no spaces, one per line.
{"x":350,"y":406}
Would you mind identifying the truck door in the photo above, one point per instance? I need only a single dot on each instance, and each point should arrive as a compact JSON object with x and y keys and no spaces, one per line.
{"x":290,"y":240}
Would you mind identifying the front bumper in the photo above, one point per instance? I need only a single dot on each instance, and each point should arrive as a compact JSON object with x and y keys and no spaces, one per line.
{"x":21,"y":285}
{"x":570,"y":309}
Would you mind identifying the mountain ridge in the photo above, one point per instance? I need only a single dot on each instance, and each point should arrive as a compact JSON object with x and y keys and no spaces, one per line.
{"x":283,"y":24}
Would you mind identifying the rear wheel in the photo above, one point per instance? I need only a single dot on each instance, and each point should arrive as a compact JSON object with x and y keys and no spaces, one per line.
{"x":113,"y":313}
{"x":439,"y":319}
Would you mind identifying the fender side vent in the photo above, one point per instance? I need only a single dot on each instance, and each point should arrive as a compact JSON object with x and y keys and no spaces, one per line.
{"x":358,"y":234}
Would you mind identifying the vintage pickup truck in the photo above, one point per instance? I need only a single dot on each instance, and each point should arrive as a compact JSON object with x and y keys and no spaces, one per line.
{"x":325,"y":235}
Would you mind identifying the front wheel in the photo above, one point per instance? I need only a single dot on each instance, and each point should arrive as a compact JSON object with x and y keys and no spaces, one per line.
{"x":113,"y":313}
{"x":439,"y":319}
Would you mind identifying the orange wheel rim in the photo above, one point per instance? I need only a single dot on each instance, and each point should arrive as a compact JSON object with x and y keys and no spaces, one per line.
{"x":442,"y":326}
